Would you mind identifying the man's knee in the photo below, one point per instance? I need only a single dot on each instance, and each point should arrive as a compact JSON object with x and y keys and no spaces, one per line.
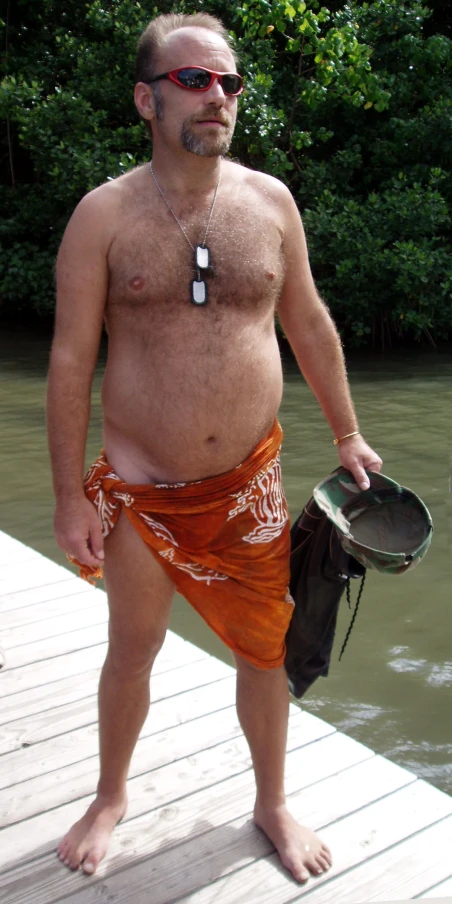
{"x":248,"y":670}
{"x":133,"y":656}
{"x":243,"y":664}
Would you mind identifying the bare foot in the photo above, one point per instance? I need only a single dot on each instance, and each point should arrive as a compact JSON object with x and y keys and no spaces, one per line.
{"x":301,"y":850}
{"x":86,"y":842}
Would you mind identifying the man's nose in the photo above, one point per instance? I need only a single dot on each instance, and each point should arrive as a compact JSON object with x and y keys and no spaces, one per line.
{"x":215,"y":93}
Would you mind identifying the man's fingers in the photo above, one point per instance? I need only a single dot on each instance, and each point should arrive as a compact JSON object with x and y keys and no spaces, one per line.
{"x":96,"y":540}
{"x":361,"y":478}
{"x":82,"y":552}
{"x":78,"y":531}
{"x":359,"y":472}
{"x":84,"y":549}
{"x":357,"y":457}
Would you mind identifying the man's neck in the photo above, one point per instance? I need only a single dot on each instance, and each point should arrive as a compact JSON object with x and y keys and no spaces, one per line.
{"x":188,"y":174}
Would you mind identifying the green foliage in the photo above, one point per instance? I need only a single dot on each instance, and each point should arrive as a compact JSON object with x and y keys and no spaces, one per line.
{"x":350,"y":105}
{"x":385,"y":249}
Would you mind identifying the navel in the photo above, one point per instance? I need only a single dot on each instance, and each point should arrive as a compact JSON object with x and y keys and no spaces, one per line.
{"x":136,"y":283}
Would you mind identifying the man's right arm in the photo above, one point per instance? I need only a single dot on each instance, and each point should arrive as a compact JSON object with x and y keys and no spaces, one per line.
{"x":82,"y":282}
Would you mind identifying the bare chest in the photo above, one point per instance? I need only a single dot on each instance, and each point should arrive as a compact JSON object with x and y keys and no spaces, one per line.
{"x":152,"y":264}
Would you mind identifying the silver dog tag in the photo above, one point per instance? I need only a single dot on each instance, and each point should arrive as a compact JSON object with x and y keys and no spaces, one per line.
{"x":202,"y":257}
{"x":198,"y":292}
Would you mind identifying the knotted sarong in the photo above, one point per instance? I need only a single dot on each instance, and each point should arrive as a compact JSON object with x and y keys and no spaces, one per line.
{"x":224,"y":542}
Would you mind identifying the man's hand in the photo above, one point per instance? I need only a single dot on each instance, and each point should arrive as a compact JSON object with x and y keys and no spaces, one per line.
{"x":78,"y":531}
{"x":358,"y":457}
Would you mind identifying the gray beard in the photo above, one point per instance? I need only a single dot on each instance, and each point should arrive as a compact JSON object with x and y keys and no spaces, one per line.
{"x":205,"y":147}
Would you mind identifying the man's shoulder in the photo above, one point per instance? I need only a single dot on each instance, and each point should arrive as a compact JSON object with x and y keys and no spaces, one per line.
{"x":115,"y":189}
{"x":105,"y":204}
{"x":262,"y":183}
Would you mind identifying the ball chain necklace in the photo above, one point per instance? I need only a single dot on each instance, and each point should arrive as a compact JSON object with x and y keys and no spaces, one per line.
{"x":198,"y":287}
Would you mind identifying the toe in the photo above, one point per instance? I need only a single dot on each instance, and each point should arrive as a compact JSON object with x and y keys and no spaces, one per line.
{"x":61,"y":849}
{"x":89,"y":867}
{"x":321,"y":865}
{"x":73,"y":858}
{"x":92,"y":860}
{"x":300,"y":873}
{"x":314,"y":866}
{"x":295,"y":865}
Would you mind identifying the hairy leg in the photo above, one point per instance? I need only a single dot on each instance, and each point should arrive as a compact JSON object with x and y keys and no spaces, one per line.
{"x":139,"y":599}
{"x":263,"y":710}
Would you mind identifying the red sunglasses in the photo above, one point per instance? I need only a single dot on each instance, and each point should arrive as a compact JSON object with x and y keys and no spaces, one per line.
{"x":196,"y":78}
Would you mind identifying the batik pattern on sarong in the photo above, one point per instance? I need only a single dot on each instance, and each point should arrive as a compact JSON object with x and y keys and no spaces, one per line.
{"x":224,"y":542}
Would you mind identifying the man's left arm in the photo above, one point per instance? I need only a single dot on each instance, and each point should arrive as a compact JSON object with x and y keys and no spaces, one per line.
{"x":317,"y":347}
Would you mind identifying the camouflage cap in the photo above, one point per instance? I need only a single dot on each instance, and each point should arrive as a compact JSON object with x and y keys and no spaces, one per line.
{"x":386,"y":527}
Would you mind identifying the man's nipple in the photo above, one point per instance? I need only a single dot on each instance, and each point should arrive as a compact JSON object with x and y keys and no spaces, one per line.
{"x":136,"y":283}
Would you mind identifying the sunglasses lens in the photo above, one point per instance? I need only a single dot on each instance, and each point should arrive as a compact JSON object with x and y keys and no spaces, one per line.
{"x":194,"y":78}
{"x":231,"y":84}
{"x":200,"y":79}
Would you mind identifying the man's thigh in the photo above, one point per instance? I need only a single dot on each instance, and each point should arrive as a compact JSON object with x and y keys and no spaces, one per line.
{"x":139,"y":593}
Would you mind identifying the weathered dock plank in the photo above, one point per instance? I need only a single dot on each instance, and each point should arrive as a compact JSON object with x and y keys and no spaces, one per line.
{"x":354,"y":839}
{"x":166,"y":682}
{"x":398,"y":872}
{"x":12,"y":551}
{"x":91,"y":610}
{"x":35,"y":572}
{"x":188,"y":834}
{"x":30,"y":730}
{"x":444,"y":889}
{"x":150,"y":788}
{"x":34,"y":596}
{"x":175,"y":651}
{"x":42,"y":611}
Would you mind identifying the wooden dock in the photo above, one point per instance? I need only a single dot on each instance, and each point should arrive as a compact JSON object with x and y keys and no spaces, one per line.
{"x":188,"y":834}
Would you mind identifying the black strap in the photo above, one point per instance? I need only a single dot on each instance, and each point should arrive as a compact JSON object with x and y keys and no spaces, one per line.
{"x":355,"y":611}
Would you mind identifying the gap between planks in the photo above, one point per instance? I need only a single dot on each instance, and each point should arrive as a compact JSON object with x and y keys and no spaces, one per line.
{"x":167,"y":826}
{"x":221,"y":843}
{"x":158,"y":777}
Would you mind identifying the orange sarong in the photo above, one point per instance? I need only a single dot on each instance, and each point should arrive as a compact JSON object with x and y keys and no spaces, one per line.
{"x":223,"y":541}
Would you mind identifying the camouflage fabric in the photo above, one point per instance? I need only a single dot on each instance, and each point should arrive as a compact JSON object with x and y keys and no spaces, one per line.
{"x":386,"y":527}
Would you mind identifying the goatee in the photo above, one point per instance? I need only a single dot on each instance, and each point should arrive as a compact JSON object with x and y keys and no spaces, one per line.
{"x":213,"y":145}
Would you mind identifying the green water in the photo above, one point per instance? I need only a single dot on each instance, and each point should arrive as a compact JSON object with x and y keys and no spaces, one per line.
{"x":392,"y":688}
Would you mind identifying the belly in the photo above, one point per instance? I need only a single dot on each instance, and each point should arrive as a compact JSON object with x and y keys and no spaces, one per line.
{"x":192,"y":408}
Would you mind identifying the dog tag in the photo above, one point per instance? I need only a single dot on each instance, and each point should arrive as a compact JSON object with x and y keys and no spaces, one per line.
{"x":202,"y":257}
{"x":198,"y":292}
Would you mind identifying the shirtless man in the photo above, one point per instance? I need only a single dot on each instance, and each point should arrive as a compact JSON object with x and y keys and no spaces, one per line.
{"x":190,"y":389}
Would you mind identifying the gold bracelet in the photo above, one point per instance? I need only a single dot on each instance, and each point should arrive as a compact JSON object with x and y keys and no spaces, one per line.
{"x":347,"y":435}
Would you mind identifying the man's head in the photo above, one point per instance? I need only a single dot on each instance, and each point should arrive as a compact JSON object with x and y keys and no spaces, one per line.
{"x":199,"y":121}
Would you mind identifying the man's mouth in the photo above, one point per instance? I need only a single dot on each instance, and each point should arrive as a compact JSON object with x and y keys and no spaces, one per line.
{"x":213,"y":120}
{"x":210,"y":122}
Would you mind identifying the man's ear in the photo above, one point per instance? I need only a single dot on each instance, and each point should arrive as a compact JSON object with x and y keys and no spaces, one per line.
{"x":145,"y":101}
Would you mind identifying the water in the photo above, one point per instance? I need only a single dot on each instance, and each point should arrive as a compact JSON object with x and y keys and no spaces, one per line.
{"x":391,"y":690}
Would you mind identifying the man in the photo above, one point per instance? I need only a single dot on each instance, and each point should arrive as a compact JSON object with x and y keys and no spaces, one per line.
{"x":186,"y":263}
